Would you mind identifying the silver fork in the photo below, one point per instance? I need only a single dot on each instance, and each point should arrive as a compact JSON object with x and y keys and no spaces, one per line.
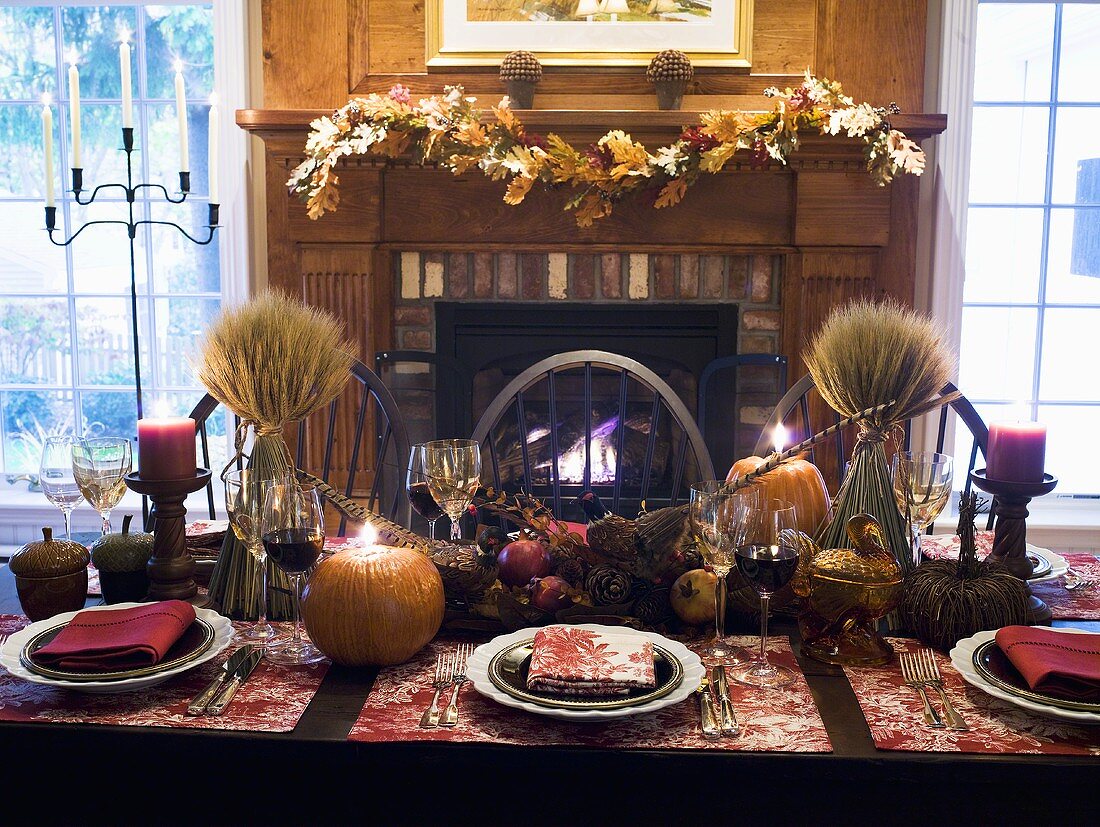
{"x":458,"y":677}
{"x":443,"y":666}
{"x":4,"y":637}
{"x":911,"y":677}
{"x":1073,"y":580}
{"x":929,"y":670}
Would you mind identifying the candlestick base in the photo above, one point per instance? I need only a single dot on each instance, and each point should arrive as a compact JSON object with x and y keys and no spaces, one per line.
{"x":78,"y":179}
{"x":185,"y":182}
{"x":171,"y":568}
{"x":1010,"y":500}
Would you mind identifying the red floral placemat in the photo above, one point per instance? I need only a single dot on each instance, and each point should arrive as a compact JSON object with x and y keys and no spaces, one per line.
{"x":272,"y":700}
{"x":782,"y":720}
{"x":893,"y":713}
{"x":1078,"y":604}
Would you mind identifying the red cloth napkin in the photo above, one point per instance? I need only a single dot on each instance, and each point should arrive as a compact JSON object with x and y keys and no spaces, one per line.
{"x":117,"y":639}
{"x":1057,"y":664}
{"x":573,"y":661}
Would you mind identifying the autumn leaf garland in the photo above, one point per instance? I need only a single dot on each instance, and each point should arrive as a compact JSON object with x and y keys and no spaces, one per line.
{"x":448,"y":131}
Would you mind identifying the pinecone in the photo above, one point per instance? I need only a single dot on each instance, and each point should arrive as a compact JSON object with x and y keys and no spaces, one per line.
{"x":655,"y":607}
{"x":639,"y":588}
{"x":671,"y":64}
{"x":607,"y":585}
{"x":521,"y":65}
{"x":571,"y":570}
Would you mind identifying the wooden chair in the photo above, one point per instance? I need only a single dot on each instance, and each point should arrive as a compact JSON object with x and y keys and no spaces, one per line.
{"x":797,"y":401}
{"x":589,"y":393}
{"x":728,"y":443}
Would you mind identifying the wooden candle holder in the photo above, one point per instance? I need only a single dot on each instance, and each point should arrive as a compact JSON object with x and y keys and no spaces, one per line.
{"x":171,"y":567}
{"x":1010,"y":501}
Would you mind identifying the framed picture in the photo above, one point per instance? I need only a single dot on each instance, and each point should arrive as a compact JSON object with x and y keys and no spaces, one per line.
{"x":588,"y":32}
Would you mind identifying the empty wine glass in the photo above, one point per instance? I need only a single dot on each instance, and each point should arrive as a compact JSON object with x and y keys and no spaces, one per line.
{"x":767,"y":561}
{"x":100,"y":466}
{"x":55,"y":475}
{"x":922,"y":487}
{"x":718,"y":518}
{"x":453,"y":467}
{"x":244,"y":505}
{"x":418,"y":490}
{"x":293,"y":532}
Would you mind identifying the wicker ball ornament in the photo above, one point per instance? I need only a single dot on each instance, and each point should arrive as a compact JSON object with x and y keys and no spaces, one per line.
{"x":669,"y":72}
{"x":520,"y":71}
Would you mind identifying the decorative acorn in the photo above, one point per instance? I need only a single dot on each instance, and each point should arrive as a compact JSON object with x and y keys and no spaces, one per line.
{"x":669,"y":72}
{"x":948,"y":600}
{"x":608,"y":585}
{"x":122,"y":560}
{"x":521,"y":71}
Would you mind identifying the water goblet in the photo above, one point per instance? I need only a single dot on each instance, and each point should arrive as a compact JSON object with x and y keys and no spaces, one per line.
{"x":922,"y":487}
{"x":100,"y":466}
{"x":453,"y":468}
{"x":55,"y":475}
{"x":418,"y":490}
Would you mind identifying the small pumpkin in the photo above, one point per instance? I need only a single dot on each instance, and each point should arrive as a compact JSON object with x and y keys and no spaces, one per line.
{"x":374,"y":606}
{"x":797,"y":481}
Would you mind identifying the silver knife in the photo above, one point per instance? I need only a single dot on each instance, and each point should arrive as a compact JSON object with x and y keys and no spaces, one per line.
{"x":218,"y":705}
{"x":708,"y":721}
{"x":728,"y":721}
{"x":197,"y":706}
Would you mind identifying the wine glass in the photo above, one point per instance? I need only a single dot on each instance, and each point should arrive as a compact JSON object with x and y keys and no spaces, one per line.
{"x":100,"y":466}
{"x":718,"y":517}
{"x":293,"y":532}
{"x":453,"y":468}
{"x":767,"y":561}
{"x":55,"y":475}
{"x":244,"y":505}
{"x":922,"y":487}
{"x":420,"y":495}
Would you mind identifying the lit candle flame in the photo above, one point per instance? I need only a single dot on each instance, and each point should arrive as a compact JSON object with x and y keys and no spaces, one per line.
{"x":368,"y":534}
{"x":123,"y":34}
{"x":178,"y":65}
{"x":71,"y":57}
{"x":213,"y":98}
{"x":779,"y":438}
{"x":47,"y":98}
{"x":161,"y":408}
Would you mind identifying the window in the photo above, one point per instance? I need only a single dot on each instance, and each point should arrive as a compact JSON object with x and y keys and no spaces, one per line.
{"x":66,"y":346}
{"x":1031,"y":298}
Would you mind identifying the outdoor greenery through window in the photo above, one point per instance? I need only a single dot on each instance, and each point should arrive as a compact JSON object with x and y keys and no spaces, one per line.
{"x":1031,"y":311}
{"x":66,"y":347}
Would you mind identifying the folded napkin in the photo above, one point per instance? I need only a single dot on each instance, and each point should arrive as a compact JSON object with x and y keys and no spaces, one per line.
{"x":1053,"y":663}
{"x":573,"y":661}
{"x":117,"y":639}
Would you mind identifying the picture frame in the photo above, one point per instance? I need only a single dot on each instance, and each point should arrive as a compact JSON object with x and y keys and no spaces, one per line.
{"x":462,"y":33}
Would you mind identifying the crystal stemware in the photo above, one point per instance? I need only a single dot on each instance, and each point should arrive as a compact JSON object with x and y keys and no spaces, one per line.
{"x":717,"y":518}
{"x":293,"y":531}
{"x":453,"y":467}
{"x":55,"y":475}
{"x":419,"y":491}
{"x":100,"y":466}
{"x":922,"y":487}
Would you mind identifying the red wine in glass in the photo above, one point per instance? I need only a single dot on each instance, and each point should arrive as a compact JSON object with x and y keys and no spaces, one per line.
{"x":293,"y":549}
{"x":767,"y":568}
{"x":420,"y":498}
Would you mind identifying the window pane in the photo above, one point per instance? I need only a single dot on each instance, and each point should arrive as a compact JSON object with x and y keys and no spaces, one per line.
{"x":101,"y":254}
{"x":164,"y":146}
{"x":94,"y":33}
{"x":1069,"y":334}
{"x":22,"y":164}
{"x":1077,"y":156}
{"x":1071,"y":456}
{"x":998,"y":350}
{"x":1003,"y":252}
{"x":28,"y":418}
{"x":1080,"y":63}
{"x":101,"y":149}
{"x":186,"y":34}
{"x":27,"y":61}
{"x":179,"y":265}
{"x":180,"y":326}
{"x":110,"y":413}
{"x":1013,"y":52}
{"x":1073,"y":261}
{"x":1008,"y":155}
{"x":104,"y":342}
{"x":34,"y":342}
{"x":28,"y":268}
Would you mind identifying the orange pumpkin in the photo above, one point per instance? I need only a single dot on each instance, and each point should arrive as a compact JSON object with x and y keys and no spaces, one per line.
{"x":798,"y":482}
{"x":373,"y":606}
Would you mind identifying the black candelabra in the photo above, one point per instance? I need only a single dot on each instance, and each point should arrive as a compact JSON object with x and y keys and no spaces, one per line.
{"x":131,"y":225}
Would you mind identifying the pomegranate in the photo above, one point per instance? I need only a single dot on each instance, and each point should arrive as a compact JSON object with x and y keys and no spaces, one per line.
{"x":551,"y":594}
{"x":521,"y":560}
{"x":693,"y":596}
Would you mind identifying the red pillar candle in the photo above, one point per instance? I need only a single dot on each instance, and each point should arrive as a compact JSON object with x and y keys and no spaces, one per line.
{"x":1016,"y":451}
{"x":166,"y":448}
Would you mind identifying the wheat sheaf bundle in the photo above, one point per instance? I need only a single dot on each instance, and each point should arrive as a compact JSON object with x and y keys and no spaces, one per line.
{"x":869,"y":353}
{"x":273,"y":360}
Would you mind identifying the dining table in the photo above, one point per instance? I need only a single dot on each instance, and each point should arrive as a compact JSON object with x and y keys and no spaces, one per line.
{"x":80,"y":773}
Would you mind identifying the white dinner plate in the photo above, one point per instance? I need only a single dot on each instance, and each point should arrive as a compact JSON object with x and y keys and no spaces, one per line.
{"x":13,"y":646}
{"x":962,"y":658}
{"x":1058,"y":564}
{"x":477,"y":670}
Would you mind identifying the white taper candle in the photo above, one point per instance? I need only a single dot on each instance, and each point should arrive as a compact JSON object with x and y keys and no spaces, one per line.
{"x":181,"y":116}
{"x":127,"y":93}
{"x":74,"y":112}
{"x":47,"y":142}
{"x":212,"y":155}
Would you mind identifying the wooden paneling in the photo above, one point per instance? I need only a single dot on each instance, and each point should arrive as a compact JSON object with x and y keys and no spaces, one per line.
{"x":304,"y":53}
{"x":358,"y":218}
{"x":784,"y":36}
{"x":841,"y":209}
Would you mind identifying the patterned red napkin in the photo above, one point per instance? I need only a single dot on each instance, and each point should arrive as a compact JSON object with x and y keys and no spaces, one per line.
{"x":574,"y":661}
{"x":113,"y":639}
{"x":1065,"y":666}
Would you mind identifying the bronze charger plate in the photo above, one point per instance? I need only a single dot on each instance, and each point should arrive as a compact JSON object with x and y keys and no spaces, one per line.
{"x":192,"y":644}
{"x":508,"y":673}
{"x":1040,"y":566}
{"x":993,"y":665}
